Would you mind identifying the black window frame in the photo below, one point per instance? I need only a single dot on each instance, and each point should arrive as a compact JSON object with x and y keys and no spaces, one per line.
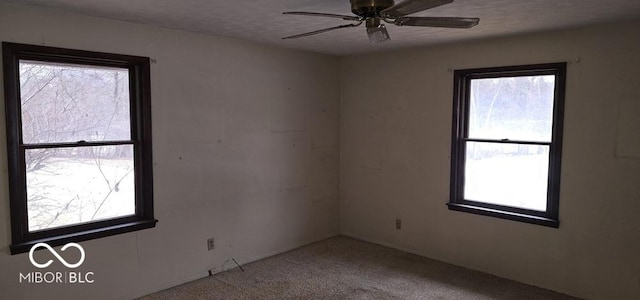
{"x":460,"y":130}
{"x":140,"y":116}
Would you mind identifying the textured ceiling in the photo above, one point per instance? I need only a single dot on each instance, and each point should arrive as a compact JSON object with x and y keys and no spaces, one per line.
{"x":262,"y":20}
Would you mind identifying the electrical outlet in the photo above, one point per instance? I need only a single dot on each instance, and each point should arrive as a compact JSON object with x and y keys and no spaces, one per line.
{"x":210,"y":244}
{"x":398,"y":224}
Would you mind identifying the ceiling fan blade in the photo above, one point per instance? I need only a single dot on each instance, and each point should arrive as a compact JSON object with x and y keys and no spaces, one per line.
{"x":437,"y":22}
{"x":314,"y":14}
{"x":408,"y":7}
{"x":321,"y":31}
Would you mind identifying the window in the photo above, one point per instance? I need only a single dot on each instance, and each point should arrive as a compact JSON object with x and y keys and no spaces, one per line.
{"x":79,"y":144}
{"x":507,"y":142}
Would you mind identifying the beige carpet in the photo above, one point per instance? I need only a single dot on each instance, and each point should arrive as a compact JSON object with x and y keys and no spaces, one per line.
{"x":345,"y":268}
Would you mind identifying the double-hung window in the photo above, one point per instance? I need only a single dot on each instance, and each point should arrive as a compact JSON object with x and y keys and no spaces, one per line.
{"x":79,"y":144}
{"x":507,"y":142}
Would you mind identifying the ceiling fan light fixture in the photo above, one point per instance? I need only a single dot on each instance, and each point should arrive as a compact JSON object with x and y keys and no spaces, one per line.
{"x":377,"y":32}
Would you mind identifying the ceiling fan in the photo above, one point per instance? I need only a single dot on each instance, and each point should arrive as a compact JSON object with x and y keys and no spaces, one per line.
{"x":373,"y":12}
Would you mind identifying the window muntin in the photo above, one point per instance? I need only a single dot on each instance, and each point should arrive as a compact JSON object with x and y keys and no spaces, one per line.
{"x":506,"y":142}
{"x":79,"y":144}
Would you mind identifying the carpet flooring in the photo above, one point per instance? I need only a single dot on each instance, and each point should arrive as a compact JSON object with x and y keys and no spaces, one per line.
{"x":346,"y":268}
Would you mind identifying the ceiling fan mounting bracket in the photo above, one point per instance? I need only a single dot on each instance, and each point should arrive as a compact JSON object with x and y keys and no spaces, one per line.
{"x":370,"y":8}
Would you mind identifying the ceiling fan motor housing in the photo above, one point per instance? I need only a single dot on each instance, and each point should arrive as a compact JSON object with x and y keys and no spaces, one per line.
{"x":369,"y":8}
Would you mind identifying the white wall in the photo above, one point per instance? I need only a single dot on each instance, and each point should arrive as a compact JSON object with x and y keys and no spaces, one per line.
{"x":395,"y":144}
{"x":245,"y":150}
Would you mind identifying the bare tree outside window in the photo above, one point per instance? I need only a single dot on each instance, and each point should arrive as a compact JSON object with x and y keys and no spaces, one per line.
{"x":517,"y":109}
{"x":506,"y":149}
{"x":79,"y":144}
{"x":65,"y":103}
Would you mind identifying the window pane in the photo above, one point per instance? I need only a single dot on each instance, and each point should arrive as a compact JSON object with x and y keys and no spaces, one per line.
{"x":69,"y":103}
{"x":516,"y":108}
{"x":67,"y":186}
{"x":507,"y":174}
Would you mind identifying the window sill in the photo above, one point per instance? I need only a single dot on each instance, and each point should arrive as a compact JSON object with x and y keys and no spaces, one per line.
{"x":85,"y":235}
{"x":504,"y":214}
